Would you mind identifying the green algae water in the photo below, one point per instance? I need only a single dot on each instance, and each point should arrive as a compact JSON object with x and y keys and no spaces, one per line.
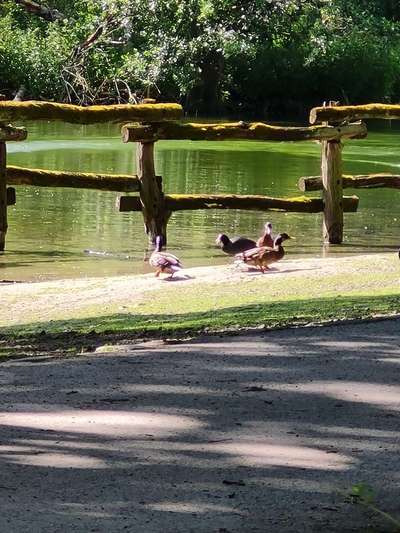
{"x":51,"y":229}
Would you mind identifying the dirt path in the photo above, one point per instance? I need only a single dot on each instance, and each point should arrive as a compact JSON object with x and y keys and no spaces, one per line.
{"x":245,"y":434}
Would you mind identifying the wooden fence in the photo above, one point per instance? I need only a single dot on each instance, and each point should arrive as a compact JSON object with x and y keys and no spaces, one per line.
{"x":156,"y":122}
{"x":10,"y":111}
{"x":158,"y":207}
{"x":336,"y":116}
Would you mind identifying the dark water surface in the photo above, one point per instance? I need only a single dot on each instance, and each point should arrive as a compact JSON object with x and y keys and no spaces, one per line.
{"x":49,"y":229}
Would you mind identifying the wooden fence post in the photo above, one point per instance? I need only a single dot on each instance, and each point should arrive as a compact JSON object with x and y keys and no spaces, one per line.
{"x":332,"y":192}
{"x":151,"y":194}
{"x":3,"y":195}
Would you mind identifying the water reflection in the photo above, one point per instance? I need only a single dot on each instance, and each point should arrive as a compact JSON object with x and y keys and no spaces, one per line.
{"x":49,"y":229}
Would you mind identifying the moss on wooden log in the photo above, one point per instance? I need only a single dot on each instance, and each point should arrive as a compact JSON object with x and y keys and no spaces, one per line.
{"x":360,"y":181}
{"x":180,"y":202}
{"x":256,"y":131}
{"x":82,"y":180}
{"x":35,"y":110}
{"x":354,"y":112}
{"x":11,"y":133}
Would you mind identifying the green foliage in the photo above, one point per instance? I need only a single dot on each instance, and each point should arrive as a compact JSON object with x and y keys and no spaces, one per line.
{"x":213,"y":55}
{"x":31,"y":55}
{"x":363,"y":494}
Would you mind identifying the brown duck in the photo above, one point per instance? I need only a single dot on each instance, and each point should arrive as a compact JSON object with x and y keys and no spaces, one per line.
{"x":263,"y":256}
{"x":266,"y":238}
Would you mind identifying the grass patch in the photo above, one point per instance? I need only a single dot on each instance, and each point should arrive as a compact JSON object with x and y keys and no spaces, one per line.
{"x":81,"y":334}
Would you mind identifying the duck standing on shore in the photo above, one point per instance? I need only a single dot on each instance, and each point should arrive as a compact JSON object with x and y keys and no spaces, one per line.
{"x":234,"y":246}
{"x":164,"y":261}
{"x":263,"y":256}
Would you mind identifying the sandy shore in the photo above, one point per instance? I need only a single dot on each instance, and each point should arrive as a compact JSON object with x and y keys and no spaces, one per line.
{"x":201,"y":287}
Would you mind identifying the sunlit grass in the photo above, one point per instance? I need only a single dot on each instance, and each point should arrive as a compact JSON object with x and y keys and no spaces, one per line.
{"x":296,"y":293}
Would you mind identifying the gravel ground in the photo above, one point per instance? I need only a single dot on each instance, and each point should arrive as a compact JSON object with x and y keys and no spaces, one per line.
{"x":258,"y":433}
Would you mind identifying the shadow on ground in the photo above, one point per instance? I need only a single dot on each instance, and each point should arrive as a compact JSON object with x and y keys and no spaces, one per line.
{"x":246,"y":434}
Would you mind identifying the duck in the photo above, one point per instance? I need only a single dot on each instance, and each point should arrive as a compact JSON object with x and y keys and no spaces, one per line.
{"x":266,"y":238}
{"x":164,"y":261}
{"x":234,"y":246}
{"x":263,"y":256}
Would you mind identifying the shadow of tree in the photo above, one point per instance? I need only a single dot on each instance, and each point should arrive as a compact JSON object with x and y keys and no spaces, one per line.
{"x":256,"y":433}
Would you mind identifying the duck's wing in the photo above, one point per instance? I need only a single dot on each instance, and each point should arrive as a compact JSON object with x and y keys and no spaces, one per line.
{"x":173,"y":260}
{"x":163,"y":259}
{"x":243,"y":240}
{"x":241,"y":244}
{"x":252,"y":253}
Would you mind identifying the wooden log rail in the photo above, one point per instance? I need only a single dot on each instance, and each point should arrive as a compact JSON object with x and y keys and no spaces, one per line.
{"x":256,"y":131}
{"x":11,"y":133}
{"x":34,"y":110}
{"x":7,"y":195}
{"x":82,"y":180}
{"x":354,"y":112}
{"x":180,"y":202}
{"x":360,"y":181}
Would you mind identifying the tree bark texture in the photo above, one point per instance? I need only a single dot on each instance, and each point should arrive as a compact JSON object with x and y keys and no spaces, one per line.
{"x":360,"y":181}
{"x":354,"y":112}
{"x":179,"y":202}
{"x":331,"y":172}
{"x":11,"y":133}
{"x":256,"y":131}
{"x":81,"y":180}
{"x":35,"y":110}
{"x":41,"y":11}
{"x":151,"y":195}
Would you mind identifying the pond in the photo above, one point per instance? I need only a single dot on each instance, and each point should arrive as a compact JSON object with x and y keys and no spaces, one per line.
{"x":50,"y":229}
